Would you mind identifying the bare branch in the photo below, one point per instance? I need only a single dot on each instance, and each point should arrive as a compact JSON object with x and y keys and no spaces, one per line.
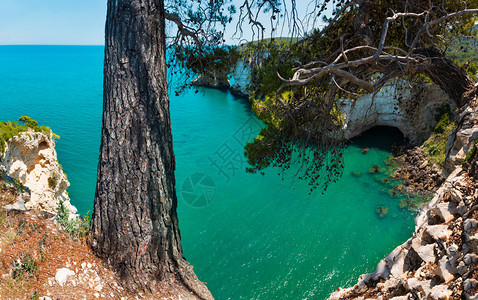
{"x":183,"y":29}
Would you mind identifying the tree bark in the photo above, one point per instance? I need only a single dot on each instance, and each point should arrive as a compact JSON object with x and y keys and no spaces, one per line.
{"x":135,"y":224}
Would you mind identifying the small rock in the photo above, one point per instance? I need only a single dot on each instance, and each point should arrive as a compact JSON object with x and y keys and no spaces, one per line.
{"x":17,"y":206}
{"x":440,"y":292}
{"x":44,"y":298}
{"x":469,"y":225}
{"x":83,"y":265}
{"x":89,"y":266}
{"x":444,"y":270}
{"x":470,"y":258}
{"x":427,"y":253}
{"x":461,"y":268}
{"x":423,"y":286}
{"x":62,"y":275}
{"x":470,"y":284}
{"x":97,"y":295}
{"x":439,"y":232}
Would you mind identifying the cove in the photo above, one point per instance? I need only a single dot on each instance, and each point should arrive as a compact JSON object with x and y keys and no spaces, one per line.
{"x":248,"y":236}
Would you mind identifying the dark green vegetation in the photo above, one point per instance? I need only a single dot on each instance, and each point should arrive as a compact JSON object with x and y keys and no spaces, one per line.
{"x":53,"y":180}
{"x":471,"y":154}
{"x":24,"y":267}
{"x":76,"y":226}
{"x":435,"y":145}
{"x":464,"y":52}
{"x":6,"y":180}
{"x":298,"y":88}
{"x":10,"y":129}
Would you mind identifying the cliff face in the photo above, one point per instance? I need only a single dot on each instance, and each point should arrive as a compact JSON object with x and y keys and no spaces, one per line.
{"x":410,"y":109}
{"x":462,"y":138}
{"x":31,"y":158}
{"x":440,"y":260}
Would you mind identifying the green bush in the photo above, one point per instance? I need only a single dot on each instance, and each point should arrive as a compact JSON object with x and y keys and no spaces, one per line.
{"x":76,"y":226}
{"x":53,"y":180}
{"x":436,"y":143}
{"x":10,"y":129}
{"x":471,"y":154}
{"x":24,"y":265}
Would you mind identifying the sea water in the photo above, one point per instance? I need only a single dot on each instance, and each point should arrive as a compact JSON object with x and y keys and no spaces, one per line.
{"x":248,"y":236}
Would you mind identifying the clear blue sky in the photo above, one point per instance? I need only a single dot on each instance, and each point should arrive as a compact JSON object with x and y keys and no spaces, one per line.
{"x":70,"y":22}
{"x":52,"y":22}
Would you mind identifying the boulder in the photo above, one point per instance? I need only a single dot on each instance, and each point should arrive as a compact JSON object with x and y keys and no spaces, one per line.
{"x":438,"y":232}
{"x":439,"y":292}
{"x":62,"y":275}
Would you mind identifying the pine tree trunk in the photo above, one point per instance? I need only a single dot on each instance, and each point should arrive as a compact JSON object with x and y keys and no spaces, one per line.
{"x":134,"y":224}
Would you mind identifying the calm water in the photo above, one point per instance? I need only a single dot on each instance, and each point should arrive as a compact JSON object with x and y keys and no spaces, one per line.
{"x":248,"y":236}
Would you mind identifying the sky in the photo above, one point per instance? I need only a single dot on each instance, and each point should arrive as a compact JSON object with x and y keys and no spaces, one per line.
{"x":52,"y":22}
{"x":62,"y":22}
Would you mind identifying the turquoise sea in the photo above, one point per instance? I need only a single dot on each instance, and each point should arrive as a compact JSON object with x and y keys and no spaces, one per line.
{"x":248,"y":236}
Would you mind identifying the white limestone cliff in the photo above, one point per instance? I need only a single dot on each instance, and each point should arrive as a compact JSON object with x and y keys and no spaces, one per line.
{"x":31,"y":158}
{"x":411,"y":109}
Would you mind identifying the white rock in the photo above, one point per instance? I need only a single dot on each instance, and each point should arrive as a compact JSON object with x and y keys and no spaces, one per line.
{"x":422,"y":286}
{"x":438,"y":232}
{"x":31,"y":158}
{"x":89,"y":266}
{"x":440,"y":292}
{"x":62,"y":275}
{"x":427,"y":253}
{"x":444,"y":270}
{"x":445,"y":211}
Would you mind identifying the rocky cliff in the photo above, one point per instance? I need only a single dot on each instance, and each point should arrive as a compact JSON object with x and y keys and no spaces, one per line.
{"x":440,"y":260}
{"x":31,"y":158}
{"x":411,"y":109}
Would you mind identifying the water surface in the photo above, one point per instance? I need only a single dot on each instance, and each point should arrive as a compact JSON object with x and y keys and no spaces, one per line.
{"x":248,"y":236}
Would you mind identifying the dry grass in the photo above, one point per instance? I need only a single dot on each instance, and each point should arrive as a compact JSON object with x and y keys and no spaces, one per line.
{"x":35,"y":234}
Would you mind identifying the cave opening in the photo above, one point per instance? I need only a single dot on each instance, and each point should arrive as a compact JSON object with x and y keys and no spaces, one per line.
{"x":43,"y":145}
{"x":386,"y":138}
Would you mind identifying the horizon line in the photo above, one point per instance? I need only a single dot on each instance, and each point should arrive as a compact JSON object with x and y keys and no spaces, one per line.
{"x":52,"y":45}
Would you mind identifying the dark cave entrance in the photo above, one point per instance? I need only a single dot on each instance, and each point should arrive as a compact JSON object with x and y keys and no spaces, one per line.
{"x":386,"y":138}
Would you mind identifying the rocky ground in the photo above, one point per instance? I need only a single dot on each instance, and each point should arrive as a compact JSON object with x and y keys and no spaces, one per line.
{"x":417,"y":173}
{"x":440,"y":261}
{"x":39,"y":260}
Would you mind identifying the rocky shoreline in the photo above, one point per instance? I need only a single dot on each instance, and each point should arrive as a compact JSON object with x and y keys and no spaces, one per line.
{"x":440,"y":260}
{"x":417,"y":173}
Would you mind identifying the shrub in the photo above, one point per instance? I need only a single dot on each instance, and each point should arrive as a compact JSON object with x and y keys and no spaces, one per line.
{"x":24,"y":265}
{"x":53,"y":180}
{"x":76,"y":226}
{"x":10,"y":129}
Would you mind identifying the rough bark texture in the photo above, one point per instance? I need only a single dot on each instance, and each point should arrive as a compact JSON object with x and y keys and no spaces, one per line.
{"x":135,"y":225}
